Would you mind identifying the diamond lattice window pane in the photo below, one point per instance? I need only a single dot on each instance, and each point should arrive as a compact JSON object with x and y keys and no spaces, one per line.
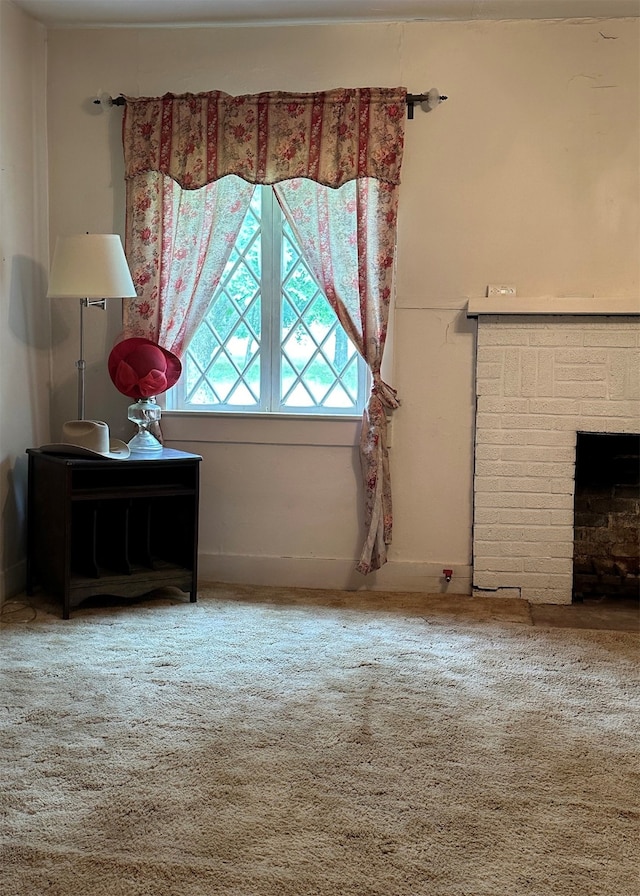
{"x":203,"y":394}
{"x":299,"y":398}
{"x":242,"y":396}
{"x":221,"y":318}
{"x":298,"y":348}
{"x":339,"y":397}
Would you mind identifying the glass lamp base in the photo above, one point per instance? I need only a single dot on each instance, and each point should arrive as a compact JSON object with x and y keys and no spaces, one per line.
{"x":143,"y":441}
{"x":144,"y":413}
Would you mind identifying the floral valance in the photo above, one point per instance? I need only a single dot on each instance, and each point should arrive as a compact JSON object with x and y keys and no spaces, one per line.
{"x":331,"y":137}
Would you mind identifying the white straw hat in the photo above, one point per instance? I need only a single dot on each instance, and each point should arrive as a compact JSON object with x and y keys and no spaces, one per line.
{"x":88,"y":438}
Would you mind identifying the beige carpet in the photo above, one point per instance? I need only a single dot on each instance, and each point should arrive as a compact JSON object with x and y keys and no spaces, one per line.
{"x":271,"y":743}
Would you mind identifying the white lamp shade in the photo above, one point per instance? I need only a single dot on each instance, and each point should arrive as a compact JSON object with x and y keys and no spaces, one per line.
{"x":90,"y":266}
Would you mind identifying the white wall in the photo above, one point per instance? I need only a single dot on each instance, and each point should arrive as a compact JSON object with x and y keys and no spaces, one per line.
{"x":528,"y":174}
{"x":24,"y":317}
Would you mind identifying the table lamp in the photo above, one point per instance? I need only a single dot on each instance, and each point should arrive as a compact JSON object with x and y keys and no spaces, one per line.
{"x":91,"y":267}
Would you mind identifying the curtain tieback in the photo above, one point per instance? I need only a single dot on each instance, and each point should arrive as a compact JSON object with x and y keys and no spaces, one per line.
{"x":386,"y":394}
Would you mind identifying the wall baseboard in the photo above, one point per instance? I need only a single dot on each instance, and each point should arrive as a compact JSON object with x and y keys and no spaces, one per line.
{"x":314,"y":572}
{"x":301,"y":572}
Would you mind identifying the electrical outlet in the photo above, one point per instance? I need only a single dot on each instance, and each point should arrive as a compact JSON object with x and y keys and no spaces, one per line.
{"x":494,"y":290}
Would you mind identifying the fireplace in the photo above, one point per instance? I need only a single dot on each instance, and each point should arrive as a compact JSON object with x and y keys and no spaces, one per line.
{"x":546,"y":370}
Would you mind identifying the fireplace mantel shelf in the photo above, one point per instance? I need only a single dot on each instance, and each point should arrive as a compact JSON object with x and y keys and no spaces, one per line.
{"x":590,"y":306}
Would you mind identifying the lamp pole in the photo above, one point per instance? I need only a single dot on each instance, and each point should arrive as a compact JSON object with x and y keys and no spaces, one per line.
{"x":81,"y":364}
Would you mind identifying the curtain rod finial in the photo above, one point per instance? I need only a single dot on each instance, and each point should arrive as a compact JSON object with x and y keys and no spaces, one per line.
{"x":432,"y":99}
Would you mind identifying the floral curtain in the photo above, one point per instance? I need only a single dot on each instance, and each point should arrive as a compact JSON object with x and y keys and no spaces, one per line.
{"x":340,"y":232}
{"x":304,"y":144}
{"x":178,"y":242}
{"x":330,"y":137}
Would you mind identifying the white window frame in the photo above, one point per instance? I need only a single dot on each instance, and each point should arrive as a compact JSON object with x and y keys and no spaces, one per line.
{"x":270,"y":348}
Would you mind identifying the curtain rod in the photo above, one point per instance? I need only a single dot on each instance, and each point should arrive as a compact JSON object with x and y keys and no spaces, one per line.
{"x":426,"y":101}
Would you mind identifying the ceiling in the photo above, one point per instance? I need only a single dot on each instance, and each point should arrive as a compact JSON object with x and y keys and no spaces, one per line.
{"x":88,"y":13}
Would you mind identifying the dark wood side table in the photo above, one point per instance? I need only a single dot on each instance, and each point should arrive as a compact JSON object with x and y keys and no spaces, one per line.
{"x":116,"y":527}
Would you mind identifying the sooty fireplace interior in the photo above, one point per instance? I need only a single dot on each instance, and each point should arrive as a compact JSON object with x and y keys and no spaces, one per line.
{"x":606,"y":558}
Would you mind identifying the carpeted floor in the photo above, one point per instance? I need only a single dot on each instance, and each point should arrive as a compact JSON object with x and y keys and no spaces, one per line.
{"x":266,"y":742}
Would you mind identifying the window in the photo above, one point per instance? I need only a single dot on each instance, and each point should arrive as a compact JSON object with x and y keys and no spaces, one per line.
{"x":270,"y":342}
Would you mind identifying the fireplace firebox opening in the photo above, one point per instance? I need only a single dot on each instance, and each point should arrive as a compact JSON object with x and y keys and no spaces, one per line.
{"x":606,"y":555}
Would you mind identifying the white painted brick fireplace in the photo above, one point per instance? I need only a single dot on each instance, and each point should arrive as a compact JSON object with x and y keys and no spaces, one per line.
{"x":545,"y":369}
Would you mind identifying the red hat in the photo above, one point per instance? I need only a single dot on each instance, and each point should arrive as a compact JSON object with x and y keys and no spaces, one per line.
{"x":141,"y":368}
